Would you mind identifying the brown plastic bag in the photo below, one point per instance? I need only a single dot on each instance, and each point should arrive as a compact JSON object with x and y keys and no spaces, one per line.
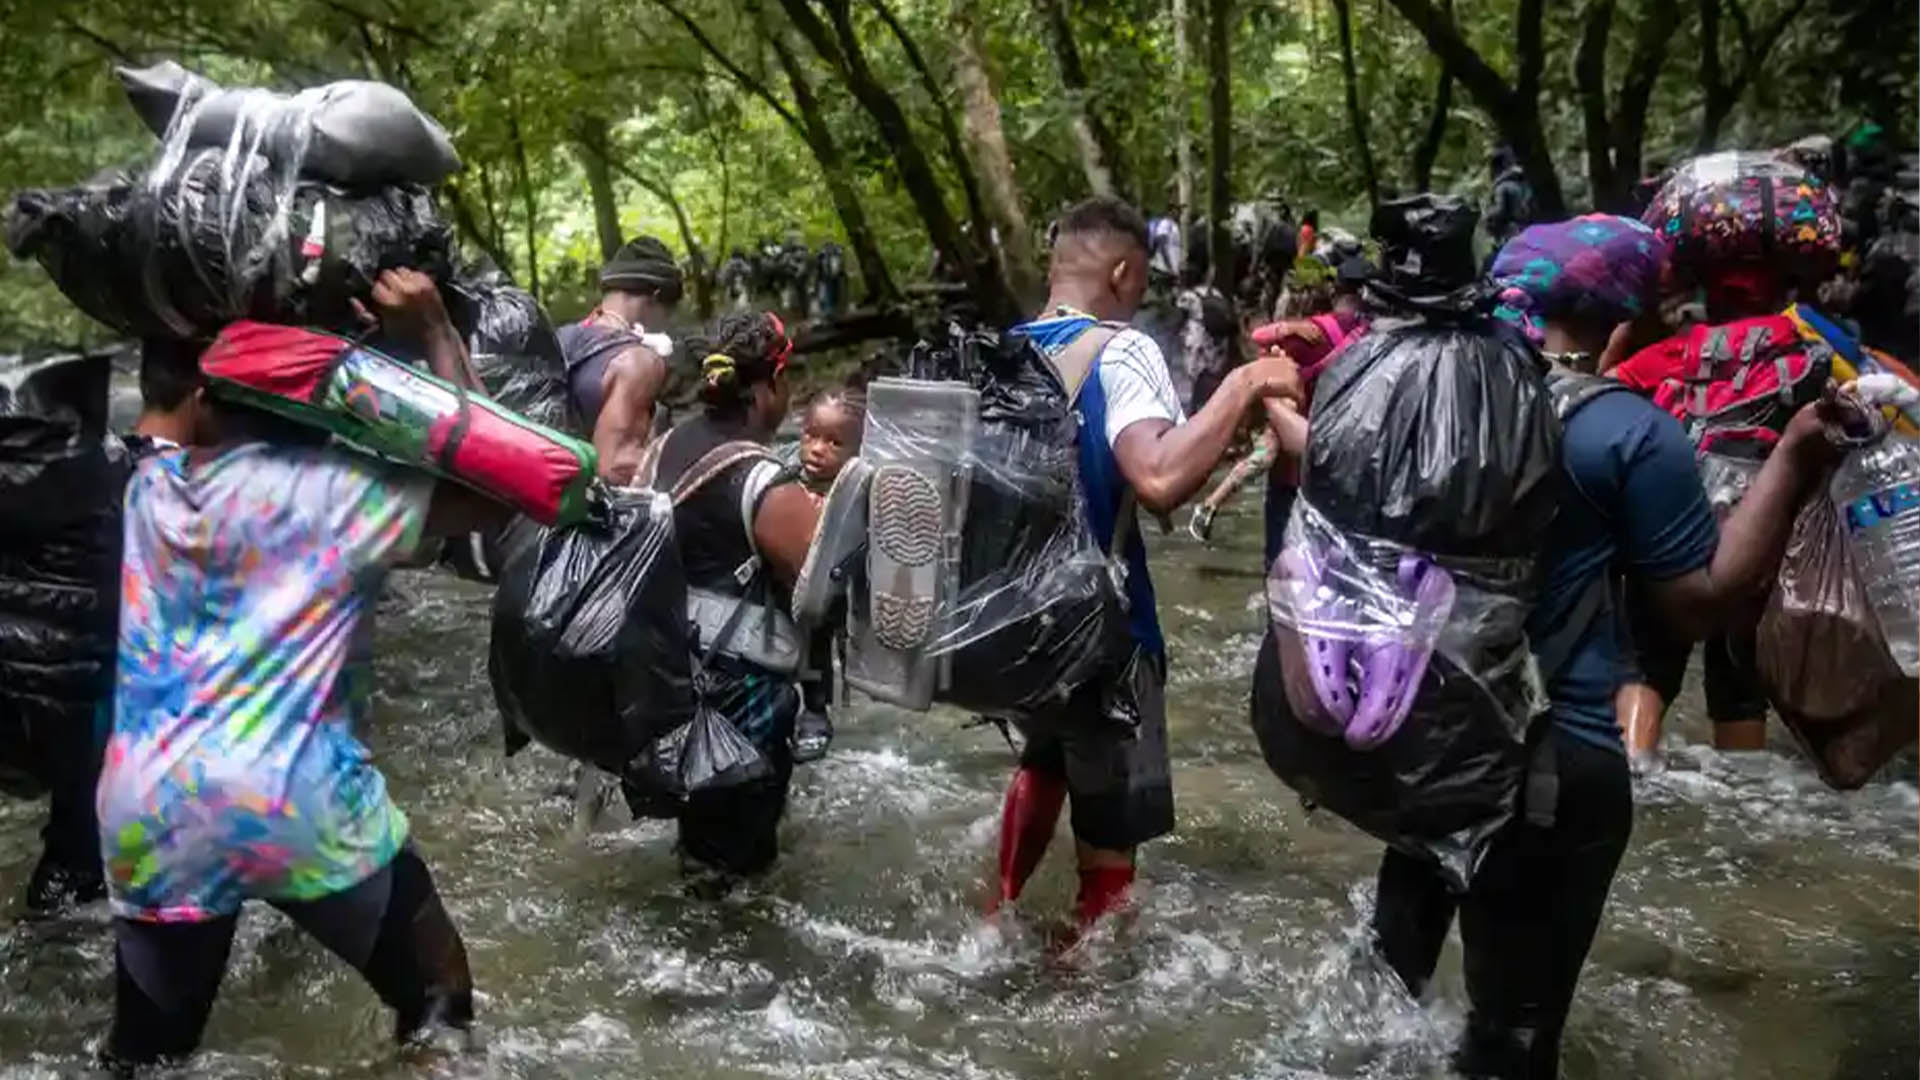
{"x":1819,"y":647}
{"x":1823,"y":659}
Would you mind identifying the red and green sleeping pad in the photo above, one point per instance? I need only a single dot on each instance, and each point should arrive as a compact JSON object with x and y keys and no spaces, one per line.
{"x":396,"y":410}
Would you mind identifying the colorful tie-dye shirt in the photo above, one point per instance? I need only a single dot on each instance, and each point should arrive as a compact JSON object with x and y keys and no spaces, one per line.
{"x":247,"y":591}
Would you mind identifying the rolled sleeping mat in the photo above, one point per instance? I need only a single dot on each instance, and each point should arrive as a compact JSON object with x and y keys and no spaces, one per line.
{"x":393,"y":409}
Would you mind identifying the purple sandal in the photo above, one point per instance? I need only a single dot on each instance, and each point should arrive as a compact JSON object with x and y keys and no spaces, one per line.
{"x":1325,"y":655}
{"x":1391,"y":667}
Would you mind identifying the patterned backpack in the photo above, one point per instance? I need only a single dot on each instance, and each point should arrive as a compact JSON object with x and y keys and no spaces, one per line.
{"x":1744,"y":207}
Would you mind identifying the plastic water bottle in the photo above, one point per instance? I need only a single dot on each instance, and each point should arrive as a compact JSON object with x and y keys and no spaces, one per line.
{"x":1877,"y":488}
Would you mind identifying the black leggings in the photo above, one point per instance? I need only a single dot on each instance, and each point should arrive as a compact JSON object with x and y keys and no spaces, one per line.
{"x":1526,"y":922}
{"x":391,"y":928}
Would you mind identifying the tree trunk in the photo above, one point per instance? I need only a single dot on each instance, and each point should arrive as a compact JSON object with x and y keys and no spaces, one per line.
{"x":874,"y":275}
{"x":696,"y":255}
{"x":989,"y":143}
{"x":1717,"y":102}
{"x":841,"y":50}
{"x":1099,"y":152}
{"x":469,"y":223}
{"x":1435,"y":136}
{"x":1514,"y":109}
{"x":1182,"y":138}
{"x":805,"y":120}
{"x":591,"y":144}
{"x":1356,"y":116}
{"x":1590,"y":75}
{"x":1220,"y":116}
{"x":949,"y":131}
{"x":529,"y":202}
{"x":1651,"y":41}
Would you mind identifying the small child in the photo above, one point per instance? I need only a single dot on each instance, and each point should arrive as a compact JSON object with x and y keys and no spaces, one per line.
{"x":829,"y":438}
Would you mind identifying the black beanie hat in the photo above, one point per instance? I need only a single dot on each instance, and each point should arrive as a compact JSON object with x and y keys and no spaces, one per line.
{"x":643,"y":264}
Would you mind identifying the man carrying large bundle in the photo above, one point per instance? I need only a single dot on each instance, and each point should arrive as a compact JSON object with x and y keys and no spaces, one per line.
{"x":617,"y":359}
{"x":1137,"y":448}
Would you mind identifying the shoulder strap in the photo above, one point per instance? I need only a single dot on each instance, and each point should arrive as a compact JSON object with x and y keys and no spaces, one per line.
{"x":1075,"y":362}
{"x":1572,"y":390}
{"x":711,"y":464}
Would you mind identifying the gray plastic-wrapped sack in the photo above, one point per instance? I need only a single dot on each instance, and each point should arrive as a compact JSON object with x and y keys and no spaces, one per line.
{"x":353,"y":132}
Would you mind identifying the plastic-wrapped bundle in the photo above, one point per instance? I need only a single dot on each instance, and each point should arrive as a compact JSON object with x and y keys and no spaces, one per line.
{"x":353,"y":132}
{"x":591,"y":651}
{"x":514,"y":349}
{"x":60,"y":490}
{"x":391,"y":408}
{"x":1819,"y":650}
{"x":1436,"y":435}
{"x":186,"y":251}
{"x":1395,"y":688}
{"x":1035,"y":613}
{"x":1738,"y":206}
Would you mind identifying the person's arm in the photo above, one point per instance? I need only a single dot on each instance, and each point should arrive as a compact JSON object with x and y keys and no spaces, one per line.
{"x":783,"y":530}
{"x":1167,"y":463}
{"x":1288,"y":426}
{"x":455,"y":510}
{"x":409,"y":305}
{"x":633,"y":381}
{"x":1754,"y":536}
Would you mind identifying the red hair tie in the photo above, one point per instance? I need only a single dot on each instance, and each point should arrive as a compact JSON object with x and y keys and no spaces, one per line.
{"x":782,"y":352}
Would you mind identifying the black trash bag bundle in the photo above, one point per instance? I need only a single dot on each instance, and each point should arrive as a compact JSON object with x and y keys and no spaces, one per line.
{"x":1036,"y":614}
{"x":513,"y":347}
{"x":591,"y":650}
{"x":706,"y":754}
{"x":61,"y":483}
{"x":186,"y":251}
{"x":354,"y":133}
{"x":1433,"y":444}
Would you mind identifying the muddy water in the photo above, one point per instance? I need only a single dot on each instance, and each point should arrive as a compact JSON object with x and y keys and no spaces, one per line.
{"x":1762,"y":927}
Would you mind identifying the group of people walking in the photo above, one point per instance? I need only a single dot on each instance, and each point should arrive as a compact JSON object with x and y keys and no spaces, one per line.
{"x":254,"y":553}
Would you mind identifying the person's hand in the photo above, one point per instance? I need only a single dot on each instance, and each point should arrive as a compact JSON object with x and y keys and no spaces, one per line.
{"x":1817,"y":432}
{"x":1272,"y":334}
{"x":408,"y":304}
{"x":1273,"y":376}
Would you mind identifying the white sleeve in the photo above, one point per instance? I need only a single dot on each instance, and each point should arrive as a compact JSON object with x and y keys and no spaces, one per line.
{"x":1134,"y":376}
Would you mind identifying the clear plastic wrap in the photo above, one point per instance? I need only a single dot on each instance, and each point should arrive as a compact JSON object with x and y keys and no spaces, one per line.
{"x":1819,"y":648}
{"x":1739,"y":206}
{"x":1024,"y":607}
{"x":1398,"y":689}
{"x":211,"y":233}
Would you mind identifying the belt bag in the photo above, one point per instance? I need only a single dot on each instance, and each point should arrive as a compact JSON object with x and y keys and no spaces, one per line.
{"x":762,"y":636}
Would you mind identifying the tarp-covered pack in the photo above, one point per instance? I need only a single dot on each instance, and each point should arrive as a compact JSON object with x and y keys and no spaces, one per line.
{"x":1741,"y":206}
{"x":392,"y":408}
{"x":182,"y":252}
{"x":1397,"y":687}
{"x":353,"y":133}
{"x":591,"y":650}
{"x":983,"y":587}
{"x":61,"y":483}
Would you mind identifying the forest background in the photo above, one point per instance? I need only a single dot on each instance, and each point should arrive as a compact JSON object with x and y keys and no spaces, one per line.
{"x":905,"y":128}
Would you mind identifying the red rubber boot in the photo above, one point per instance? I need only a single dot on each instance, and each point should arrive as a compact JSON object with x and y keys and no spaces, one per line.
{"x":1103,"y":890}
{"x":1027,"y":819}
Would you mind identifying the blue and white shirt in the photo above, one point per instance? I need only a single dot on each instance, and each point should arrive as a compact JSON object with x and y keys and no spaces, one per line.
{"x":1129,"y":383}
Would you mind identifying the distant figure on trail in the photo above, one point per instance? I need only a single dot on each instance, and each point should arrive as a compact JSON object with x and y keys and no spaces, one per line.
{"x":736,"y":277}
{"x":796,"y":272}
{"x":829,"y":280}
{"x":1512,"y":204}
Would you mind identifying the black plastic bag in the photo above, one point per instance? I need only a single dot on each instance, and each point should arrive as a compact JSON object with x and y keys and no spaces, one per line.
{"x":61,"y":483}
{"x":1036,"y":614}
{"x":591,"y":646}
{"x":1437,"y":435}
{"x":514,"y":349}
{"x":204,"y":244}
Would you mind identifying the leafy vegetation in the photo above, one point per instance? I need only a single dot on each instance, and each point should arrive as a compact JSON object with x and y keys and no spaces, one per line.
{"x":902,"y":128}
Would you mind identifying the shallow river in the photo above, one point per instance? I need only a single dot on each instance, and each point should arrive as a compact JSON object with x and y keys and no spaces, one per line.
{"x":1762,"y":926}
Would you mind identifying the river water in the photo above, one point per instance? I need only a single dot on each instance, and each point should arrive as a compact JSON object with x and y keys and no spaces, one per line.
{"x":1762,"y":926}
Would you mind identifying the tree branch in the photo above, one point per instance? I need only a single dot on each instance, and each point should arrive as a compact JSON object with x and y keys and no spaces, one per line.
{"x":1590,"y":75}
{"x":1488,"y":86}
{"x":1356,"y":116}
{"x":956,"y":150}
{"x":1658,"y":21}
{"x":739,"y":75}
{"x":100,"y":41}
{"x":1529,"y":51}
{"x":1428,"y":150}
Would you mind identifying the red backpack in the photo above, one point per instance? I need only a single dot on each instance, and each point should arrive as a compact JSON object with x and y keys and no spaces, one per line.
{"x":1738,"y":381}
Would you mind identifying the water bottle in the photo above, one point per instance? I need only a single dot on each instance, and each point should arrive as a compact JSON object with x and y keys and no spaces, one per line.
{"x":1877,"y":488}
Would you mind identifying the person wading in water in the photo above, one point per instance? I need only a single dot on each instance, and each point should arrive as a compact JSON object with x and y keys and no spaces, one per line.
{"x":616,"y":363}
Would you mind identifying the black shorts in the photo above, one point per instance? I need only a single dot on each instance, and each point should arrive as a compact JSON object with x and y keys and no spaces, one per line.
{"x":1732,"y":676}
{"x":1109,"y":741}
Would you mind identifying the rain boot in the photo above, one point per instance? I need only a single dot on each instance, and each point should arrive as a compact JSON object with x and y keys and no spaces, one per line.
{"x":1027,"y":820}
{"x":1103,"y":890}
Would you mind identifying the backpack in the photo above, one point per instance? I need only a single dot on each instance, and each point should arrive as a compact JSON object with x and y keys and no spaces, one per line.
{"x":1740,"y":206}
{"x":1736,"y":385}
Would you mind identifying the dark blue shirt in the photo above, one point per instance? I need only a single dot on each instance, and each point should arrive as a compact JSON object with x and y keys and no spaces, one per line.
{"x":1634,"y":503}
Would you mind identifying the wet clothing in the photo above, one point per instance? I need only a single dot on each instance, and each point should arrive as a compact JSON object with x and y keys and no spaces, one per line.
{"x":1129,"y":383}
{"x":391,"y":928}
{"x":1732,"y":676}
{"x":249,"y":580}
{"x":1527,"y":921}
{"x":1633,"y":500}
{"x":733,"y":829}
{"x":1109,"y":742}
{"x":589,"y":347}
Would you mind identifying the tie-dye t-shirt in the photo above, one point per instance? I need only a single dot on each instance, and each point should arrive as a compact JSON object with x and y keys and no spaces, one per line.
{"x":248,"y":586}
